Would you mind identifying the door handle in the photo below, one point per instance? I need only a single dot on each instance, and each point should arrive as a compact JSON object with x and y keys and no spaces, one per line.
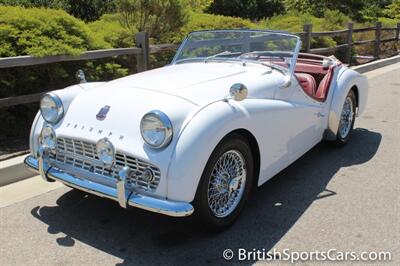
{"x":319,"y":114}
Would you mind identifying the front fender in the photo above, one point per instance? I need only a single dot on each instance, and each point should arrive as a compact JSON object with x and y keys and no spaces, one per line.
{"x":346,"y":81}
{"x":196,"y":143}
{"x":67,"y":95}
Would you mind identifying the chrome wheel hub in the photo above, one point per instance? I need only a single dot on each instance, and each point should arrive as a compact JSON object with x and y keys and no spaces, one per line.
{"x":346,"y":118}
{"x":227,"y":183}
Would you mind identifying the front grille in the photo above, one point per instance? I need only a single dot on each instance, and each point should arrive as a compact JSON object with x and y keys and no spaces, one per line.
{"x":82,"y":154}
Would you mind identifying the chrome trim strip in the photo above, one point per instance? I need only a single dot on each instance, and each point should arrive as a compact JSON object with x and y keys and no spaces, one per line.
{"x":166,"y":207}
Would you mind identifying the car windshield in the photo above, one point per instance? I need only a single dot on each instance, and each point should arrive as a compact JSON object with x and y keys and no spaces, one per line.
{"x":270,"y":48}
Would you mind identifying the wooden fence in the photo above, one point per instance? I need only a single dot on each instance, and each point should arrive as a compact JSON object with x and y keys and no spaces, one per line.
{"x":143,"y":50}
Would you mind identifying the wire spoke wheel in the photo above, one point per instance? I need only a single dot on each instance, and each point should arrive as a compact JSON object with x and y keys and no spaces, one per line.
{"x":227,"y":183}
{"x":346,"y":118}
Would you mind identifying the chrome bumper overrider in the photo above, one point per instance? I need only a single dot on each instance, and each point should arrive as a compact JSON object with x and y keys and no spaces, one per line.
{"x":120,"y":194}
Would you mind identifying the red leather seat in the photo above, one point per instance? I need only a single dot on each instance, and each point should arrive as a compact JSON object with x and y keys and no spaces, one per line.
{"x":323,"y":87}
{"x":307,"y":82}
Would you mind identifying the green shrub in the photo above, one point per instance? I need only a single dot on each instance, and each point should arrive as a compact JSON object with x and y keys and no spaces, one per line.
{"x":355,"y":9}
{"x":108,"y":28}
{"x":202,"y":21}
{"x":87,"y":10}
{"x":393,"y":10}
{"x":199,"y":5}
{"x":56,"y":4}
{"x":293,"y":22}
{"x":42,"y":32}
{"x":160,"y":18}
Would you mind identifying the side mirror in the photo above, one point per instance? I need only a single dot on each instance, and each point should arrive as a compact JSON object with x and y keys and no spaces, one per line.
{"x":80,"y":76}
{"x":238,"y":92}
{"x":287,"y":83}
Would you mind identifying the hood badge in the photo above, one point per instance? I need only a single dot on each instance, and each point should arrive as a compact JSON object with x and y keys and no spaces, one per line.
{"x":103,"y":113}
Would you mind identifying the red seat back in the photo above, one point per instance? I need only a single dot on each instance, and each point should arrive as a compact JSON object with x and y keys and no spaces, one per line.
{"x":323,"y":88}
{"x":307,"y":82}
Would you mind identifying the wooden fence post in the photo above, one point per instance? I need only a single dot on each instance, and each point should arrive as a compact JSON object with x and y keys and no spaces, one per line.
{"x":349,"y":41}
{"x":142,"y":41}
{"x":377,"y":39}
{"x":307,"y":28}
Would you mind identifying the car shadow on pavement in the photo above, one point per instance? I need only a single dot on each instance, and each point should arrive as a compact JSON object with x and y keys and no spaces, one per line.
{"x":137,"y":236}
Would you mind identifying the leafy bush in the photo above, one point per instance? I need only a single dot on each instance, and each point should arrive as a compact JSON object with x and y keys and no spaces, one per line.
{"x":202,"y":21}
{"x":293,"y":22}
{"x":393,"y":10}
{"x":43,"y":32}
{"x":87,"y":10}
{"x":352,"y":8}
{"x":56,"y":4}
{"x":199,"y":5}
{"x":108,"y":28}
{"x":160,"y":18}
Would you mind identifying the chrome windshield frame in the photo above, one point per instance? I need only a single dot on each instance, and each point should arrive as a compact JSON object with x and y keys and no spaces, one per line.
{"x":283,"y":33}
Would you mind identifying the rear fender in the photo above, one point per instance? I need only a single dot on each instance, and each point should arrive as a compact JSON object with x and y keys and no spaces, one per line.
{"x":347,"y":80}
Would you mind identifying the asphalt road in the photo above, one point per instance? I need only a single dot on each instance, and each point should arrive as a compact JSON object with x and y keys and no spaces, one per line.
{"x":345,"y":199}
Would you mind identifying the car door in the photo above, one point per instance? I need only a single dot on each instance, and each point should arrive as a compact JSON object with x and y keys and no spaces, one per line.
{"x":305,"y":117}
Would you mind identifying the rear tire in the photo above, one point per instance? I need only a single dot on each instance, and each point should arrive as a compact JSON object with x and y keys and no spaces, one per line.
{"x":347,"y":119}
{"x":225,"y":183}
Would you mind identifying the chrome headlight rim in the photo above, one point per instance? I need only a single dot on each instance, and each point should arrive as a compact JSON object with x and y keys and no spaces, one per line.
{"x":167,"y":125}
{"x":59,"y":106}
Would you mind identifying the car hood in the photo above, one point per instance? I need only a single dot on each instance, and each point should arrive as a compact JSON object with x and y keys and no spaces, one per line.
{"x":179,"y":91}
{"x":199,"y":83}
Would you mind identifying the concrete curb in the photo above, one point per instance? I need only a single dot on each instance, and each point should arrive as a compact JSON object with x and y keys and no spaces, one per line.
{"x":377,"y":64}
{"x":13,"y":170}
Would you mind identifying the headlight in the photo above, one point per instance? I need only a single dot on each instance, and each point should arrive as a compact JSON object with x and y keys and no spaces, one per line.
{"x":48,"y":138}
{"x":51,"y":108}
{"x":105,"y":151}
{"x":156,"y":129}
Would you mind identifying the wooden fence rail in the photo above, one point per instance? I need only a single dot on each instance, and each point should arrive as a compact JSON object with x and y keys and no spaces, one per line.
{"x":309,"y":34}
{"x":143,"y":50}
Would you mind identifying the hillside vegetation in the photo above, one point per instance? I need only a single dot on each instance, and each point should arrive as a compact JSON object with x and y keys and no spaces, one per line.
{"x":70,"y":27}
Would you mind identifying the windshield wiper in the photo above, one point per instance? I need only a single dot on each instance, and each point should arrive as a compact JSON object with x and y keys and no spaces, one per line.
{"x":224,"y":53}
{"x":255,"y":55}
{"x":278,"y":54}
{"x":271,"y":66}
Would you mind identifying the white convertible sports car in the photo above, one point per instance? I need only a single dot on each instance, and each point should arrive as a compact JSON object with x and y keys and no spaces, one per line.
{"x":233,"y":109}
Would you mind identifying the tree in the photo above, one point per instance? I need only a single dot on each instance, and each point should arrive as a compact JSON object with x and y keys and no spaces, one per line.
{"x":89,"y":10}
{"x":393,"y":10}
{"x":160,"y":18}
{"x":58,"y":4}
{"x":199,"y":5}
{"x":353,"y":8}
{"x":251,"y":9}
{"x":86,"y":10}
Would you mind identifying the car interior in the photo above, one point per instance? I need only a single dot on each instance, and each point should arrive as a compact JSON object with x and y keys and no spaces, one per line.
{"x":314,"y":75}
{"x":313,"y":72}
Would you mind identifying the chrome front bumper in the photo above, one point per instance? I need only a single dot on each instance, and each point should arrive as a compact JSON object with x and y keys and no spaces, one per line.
{"x":120,"y":194}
